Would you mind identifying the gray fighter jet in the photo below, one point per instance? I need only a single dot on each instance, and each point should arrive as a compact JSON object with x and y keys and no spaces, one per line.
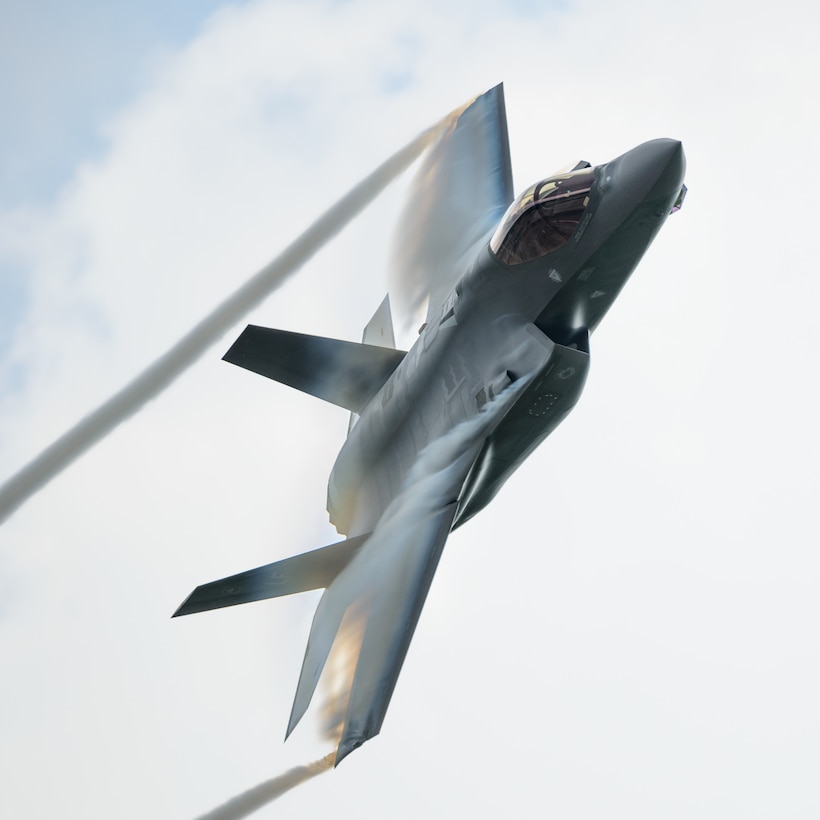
{"x":513,"y":289}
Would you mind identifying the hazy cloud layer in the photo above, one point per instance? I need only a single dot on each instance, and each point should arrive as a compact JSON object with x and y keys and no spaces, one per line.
{"x":628,"y":631}
{"x":160,"y":374}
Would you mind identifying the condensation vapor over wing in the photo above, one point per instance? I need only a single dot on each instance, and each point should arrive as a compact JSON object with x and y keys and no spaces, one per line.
{"x":458,"y":196}
{"x":159,"y":375}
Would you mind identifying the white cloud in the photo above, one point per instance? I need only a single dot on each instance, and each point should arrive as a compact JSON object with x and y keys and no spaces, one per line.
{"x":627,"y":632}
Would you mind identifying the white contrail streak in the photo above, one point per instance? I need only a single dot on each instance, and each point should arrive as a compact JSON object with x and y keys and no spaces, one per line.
{"x":248,"y":802}
{"x":159,"y":375}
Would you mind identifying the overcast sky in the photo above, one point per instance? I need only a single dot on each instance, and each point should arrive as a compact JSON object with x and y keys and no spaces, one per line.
{"x":630,"y":630}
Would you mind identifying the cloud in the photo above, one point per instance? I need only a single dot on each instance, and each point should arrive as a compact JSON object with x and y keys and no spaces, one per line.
{"x":657,"y":612}
{"x":160,"y":374}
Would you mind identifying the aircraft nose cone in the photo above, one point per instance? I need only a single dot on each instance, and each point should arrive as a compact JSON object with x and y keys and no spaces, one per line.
{"x":657,"y":164}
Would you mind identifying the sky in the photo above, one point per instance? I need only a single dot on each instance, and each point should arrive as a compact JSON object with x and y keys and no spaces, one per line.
{"x":629,"y":630}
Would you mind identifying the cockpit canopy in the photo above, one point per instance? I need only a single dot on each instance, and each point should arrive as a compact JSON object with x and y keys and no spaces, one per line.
{"x":543,"y":218}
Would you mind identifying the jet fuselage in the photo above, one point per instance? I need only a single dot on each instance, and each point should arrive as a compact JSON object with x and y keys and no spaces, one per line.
{"x":500,"y":361}
{"x":502,"y":321}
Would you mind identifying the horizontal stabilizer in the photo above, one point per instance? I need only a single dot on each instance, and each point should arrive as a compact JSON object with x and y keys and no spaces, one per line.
{"x":311,"y":570}
{"x":347,"y":374}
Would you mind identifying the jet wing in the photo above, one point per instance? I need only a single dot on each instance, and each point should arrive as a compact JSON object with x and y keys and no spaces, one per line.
{"x":372,"y":607}
{"x":347,"y":374}
{"x":460,"y":193}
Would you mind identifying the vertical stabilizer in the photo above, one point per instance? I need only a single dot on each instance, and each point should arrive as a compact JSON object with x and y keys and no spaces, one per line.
{"x":378,"y":332}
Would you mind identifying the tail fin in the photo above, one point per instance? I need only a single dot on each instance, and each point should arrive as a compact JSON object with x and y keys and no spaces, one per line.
{"x":378,"y":332}
{"x":311,"y":570}
{"x":381,"y":592}
{"x":343,"y":373}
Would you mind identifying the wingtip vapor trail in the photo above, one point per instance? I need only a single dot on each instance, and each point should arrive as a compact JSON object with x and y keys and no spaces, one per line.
{"x":160,"y":374}
{"x":250,"y":801}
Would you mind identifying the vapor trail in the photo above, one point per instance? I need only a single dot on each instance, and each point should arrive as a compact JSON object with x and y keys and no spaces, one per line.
{"x":248,"y":802}
{"x":159,"y":375}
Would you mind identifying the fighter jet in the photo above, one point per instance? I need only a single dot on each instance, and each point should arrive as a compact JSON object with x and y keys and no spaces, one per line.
{"x":513,"y":289}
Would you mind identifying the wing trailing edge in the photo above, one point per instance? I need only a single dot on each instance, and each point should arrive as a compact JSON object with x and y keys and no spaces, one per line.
{"x":347,"y":374}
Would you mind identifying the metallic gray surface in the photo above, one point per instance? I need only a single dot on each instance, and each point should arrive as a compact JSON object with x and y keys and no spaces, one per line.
{"x":501,"y":361}
{"x":310,"y":570}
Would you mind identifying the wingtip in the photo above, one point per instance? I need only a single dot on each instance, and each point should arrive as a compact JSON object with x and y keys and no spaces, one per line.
{"x":296,"y":714}
{"x":181,"y":609}
{"x":345,"y":747}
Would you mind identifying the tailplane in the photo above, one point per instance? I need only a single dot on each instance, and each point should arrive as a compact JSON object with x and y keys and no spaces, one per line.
{"x":311,"y":570}
{"x":344,"y":373}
